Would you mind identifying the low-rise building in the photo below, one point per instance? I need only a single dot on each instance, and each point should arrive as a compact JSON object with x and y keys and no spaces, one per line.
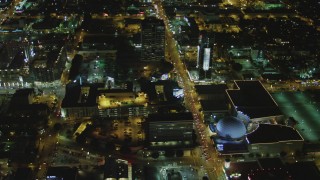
{"x":273,"y":139}
{"x":95,"y":100}
{"x":250,"y":101}
{"x":61,"y":172}
{"x":271,"y":168}
{"x":48,"y":66}
{"x":213,"y":99}
{"x":170,"y":130}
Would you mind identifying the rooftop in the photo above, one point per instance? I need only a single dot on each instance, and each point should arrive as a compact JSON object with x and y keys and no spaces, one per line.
{"x":275,"y":169}
{"x":170,"y":117}
{"x":100,"y":39}
{"x":76,"y":97}
{"x":253,"y":99}
{"x":213,"y":105}
{"x":151,"y":21}
{"x":243,"y":169}
{"x":266,"y":163}
{"x":62,"y":172}
{"x":47,"y":23}
{"x":268,"y":133}
{"x":304,"y":170}
{"x":211,"y":89}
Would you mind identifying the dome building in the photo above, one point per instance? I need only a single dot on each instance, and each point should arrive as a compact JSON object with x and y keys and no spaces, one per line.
{"x":230,"y":128}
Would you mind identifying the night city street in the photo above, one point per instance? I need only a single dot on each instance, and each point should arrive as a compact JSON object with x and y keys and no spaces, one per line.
{"x":159,"y":89}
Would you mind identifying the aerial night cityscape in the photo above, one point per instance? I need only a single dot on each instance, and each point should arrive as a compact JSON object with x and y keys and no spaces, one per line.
{"x":159,"y":89}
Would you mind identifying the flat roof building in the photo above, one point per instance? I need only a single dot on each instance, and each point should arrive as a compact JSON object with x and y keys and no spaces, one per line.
{"x":271,"y":168}
{"x":213,"y":100}
{"x":153,"y":39}
{"x":62,"y":173}
{"x":94,"y":99}
{"x":274,"y":139}
{"x":170,"y":130}
{"x":251,"y":100}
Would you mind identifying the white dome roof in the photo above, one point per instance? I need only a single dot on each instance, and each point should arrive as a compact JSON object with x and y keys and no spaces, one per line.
{"x":231,"y":128}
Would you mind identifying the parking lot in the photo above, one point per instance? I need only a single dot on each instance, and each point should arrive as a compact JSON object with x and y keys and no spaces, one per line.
{"x":128,"y":130}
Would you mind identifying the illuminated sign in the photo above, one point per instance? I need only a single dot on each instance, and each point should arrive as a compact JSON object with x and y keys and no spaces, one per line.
{"x":206,"y":59}
{"x":178,"y":93}
{"x":220,"y":147}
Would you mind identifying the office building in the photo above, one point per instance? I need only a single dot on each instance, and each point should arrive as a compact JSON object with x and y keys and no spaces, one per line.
{"x":170,"y":130}
{"x":153,"y":39}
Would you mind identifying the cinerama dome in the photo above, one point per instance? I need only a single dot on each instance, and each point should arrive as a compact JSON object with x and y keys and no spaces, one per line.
{"x":231,"y":128}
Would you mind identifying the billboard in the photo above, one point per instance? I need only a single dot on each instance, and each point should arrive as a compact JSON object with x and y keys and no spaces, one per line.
{"x":206,"y":59}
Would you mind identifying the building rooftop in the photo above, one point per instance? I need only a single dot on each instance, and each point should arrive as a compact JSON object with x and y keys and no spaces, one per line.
{"x":76,"y":97}
{"x":243,"y":169}
{"x":105,"y":40}
{"x":61,"y":172}
{"x":230,"y":147}
{"x":251,"y":98}
{"x":268,"y":133}
{"x":268,"y":163}
{"x":151,"y":21}
{"x":132,"y":21}
{"x":304,"y":170}
{"x":23,"y":173}
{"x":231,"y":128}
{"x":170,"y":117}
{"x":211,"y":89}
{"x":93,"y":26}
{"x":213,"y":105}
{"x":274,"y":77}
{"x":18,"y":61}
{"x":156,"y":97}
{"x":115,"y":168}
{"x":47,"y":23}
{"x":272,"y":168}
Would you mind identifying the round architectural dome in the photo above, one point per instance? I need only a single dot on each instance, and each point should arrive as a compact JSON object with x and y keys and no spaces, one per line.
{"x":231,"y":128}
